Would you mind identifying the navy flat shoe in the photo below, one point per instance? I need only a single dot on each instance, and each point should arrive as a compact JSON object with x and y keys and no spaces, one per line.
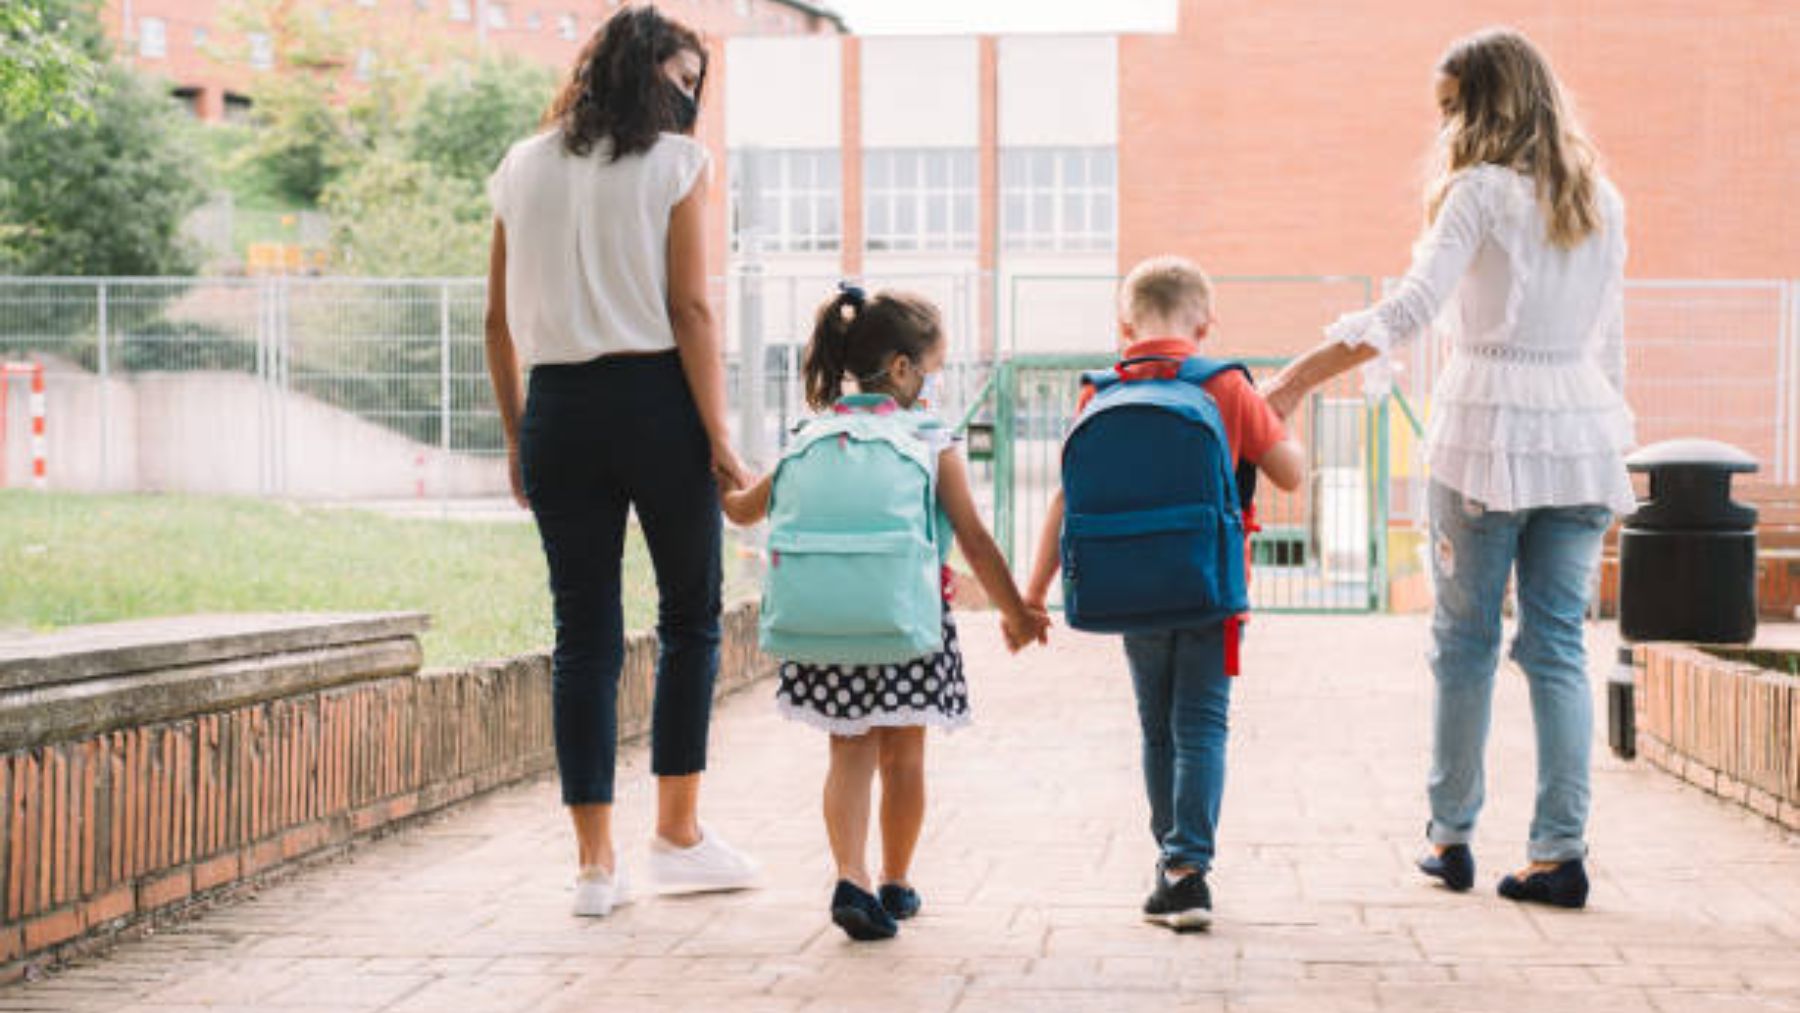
{"x":901,"y":902}
{"x":1456,"y":867}
{"x":1565,"y":886}
{"x":860,"y":915}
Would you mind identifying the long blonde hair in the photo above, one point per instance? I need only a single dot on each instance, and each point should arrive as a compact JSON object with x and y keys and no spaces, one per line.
{"x":1510,"y":110}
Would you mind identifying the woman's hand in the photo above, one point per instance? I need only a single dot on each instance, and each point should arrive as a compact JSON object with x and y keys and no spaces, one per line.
{"x":727,"y":469}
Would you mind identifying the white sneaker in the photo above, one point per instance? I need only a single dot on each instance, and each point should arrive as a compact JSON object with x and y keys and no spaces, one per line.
{"x":711,"y":865}
{"x":596,"y":893}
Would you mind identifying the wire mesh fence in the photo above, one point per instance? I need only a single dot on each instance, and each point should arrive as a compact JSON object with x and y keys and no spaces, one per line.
{"x":347,"y":388}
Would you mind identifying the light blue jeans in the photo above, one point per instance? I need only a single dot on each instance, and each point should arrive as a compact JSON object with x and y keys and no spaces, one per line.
{"x":1183,"y":699}
{"x":1554,"y":551}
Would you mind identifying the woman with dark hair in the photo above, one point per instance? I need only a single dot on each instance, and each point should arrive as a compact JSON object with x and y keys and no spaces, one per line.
{"x":598,"y":286}
{"x":1528,"y":429}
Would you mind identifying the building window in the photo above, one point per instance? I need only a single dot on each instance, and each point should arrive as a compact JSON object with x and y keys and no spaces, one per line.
{"x":153,"y":38}
{"x":920,"y":199}
{"x":534,"y":21}
{"x":199,"y":38}
{"x":459,"y":11}
{"x":565,"y":26}
{"x":743,"y":8}
{"x":262,"y":51}
{"x":1059,"y":199}
{"x":799,"y":204}
{"x":365,"y":3}
{"x":365,"y":64}
{"x":421,"y":5}
{"x":496,"y":15}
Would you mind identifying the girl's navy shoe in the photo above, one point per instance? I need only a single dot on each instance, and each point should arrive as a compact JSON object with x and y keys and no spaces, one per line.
{"x":901,"y":902}
{"x":1456,"y":867}
{"x":1564,"y":886}
{"x":860,"y":915}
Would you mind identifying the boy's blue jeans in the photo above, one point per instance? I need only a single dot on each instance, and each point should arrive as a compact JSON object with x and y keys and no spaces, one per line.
{"x":1183,"y":695}
{"x":1554,"y":550}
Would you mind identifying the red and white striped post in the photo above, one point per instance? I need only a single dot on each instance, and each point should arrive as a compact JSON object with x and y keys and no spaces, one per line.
{"x":40,"y":444}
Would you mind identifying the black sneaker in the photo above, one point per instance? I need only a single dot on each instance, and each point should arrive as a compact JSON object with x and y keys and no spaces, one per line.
{"x":1564,"y":886}
{"x":1184,"y":905}
{"x":860,"y":915}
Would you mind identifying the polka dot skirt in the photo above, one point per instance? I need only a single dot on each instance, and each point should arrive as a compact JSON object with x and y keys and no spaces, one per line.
{"x":851,"y":699}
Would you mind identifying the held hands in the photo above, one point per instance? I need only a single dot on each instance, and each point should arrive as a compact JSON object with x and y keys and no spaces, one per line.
{"x":1028,"y":627}
{"x":1032,"y":626}
{"x":730,"y":472}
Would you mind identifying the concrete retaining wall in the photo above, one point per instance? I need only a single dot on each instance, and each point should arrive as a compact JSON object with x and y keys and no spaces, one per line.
{"x":229,"y":433}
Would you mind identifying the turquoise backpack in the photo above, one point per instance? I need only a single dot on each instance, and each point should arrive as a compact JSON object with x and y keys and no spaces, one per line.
{"x":855,"y":541}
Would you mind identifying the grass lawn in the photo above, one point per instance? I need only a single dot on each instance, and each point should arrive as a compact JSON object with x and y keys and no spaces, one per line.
{"x":69,"y":559}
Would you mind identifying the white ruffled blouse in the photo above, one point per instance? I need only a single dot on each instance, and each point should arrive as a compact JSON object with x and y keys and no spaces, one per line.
{"x":1529,"y":411}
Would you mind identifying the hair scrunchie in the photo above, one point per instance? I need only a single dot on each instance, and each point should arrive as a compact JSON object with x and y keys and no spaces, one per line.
{"x":852,"y":294}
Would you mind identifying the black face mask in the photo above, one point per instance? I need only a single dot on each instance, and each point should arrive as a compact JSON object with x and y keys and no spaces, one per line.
{"x":684,"y":110}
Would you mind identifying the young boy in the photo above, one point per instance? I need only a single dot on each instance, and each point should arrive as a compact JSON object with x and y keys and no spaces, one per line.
{"x":1183,"y":691}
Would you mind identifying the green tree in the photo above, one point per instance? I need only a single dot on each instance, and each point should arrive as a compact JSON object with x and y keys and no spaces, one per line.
{"x":303,"y":139}
{"x":465,"y":123}
{"x":103,"y":194}
{"x":49,"y":59}
{"x":395,"y":217}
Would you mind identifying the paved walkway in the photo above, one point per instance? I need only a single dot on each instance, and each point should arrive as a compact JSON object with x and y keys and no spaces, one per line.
{"x":1033,"y":864}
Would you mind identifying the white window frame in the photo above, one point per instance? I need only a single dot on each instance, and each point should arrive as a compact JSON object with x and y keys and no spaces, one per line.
{"x":803,"y":195}
{"x":921,"y":200}
{"x":262,"y":51}
{"x":462,"y":10}
{"x":497,"y":15}
{"x":153,"y":38}
{"x":365,"y":64}
{"x":565,"y":26}
{"x":1059,"y":200}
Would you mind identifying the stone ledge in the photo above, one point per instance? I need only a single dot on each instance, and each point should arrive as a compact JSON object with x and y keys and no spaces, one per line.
{"x":81,"y":653}
{"x":55,"y":713}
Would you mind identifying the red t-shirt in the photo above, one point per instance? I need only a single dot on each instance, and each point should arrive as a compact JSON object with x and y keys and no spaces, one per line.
{"x":1251,"y":426}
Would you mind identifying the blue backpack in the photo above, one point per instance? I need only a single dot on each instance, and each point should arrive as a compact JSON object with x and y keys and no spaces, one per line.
{"x":1154,"y":528}
{"x":855,"y":542}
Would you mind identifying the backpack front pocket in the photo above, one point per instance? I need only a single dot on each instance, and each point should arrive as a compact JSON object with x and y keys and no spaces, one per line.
{"x":1141,"y":564}
{"x":853,"y":587}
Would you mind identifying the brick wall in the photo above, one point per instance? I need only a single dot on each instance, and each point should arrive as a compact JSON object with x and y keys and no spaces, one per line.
{"x":1726,"y":724}
{"x":1289,"y":137}
{"x":114,"y":827}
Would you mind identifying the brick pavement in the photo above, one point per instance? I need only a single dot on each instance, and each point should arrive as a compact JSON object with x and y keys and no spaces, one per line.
{"x":1034,"y":859}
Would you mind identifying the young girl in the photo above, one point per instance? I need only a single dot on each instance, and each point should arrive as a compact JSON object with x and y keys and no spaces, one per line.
{"x":890,"y":345}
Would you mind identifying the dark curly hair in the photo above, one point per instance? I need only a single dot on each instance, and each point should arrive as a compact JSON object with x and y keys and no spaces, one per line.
{"x":619,"y":91}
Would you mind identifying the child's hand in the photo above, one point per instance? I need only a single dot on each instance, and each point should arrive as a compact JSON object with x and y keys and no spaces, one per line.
{"x":1026,"y":628}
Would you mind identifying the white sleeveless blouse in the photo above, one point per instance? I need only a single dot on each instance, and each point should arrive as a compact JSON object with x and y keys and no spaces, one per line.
{"x":1529,"y":411}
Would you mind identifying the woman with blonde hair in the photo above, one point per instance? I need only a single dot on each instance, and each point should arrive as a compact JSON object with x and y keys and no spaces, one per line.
{"x":1528,"y":430}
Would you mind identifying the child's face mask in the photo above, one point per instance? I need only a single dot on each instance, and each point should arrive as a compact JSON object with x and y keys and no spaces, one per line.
{"x":931,"y":390}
